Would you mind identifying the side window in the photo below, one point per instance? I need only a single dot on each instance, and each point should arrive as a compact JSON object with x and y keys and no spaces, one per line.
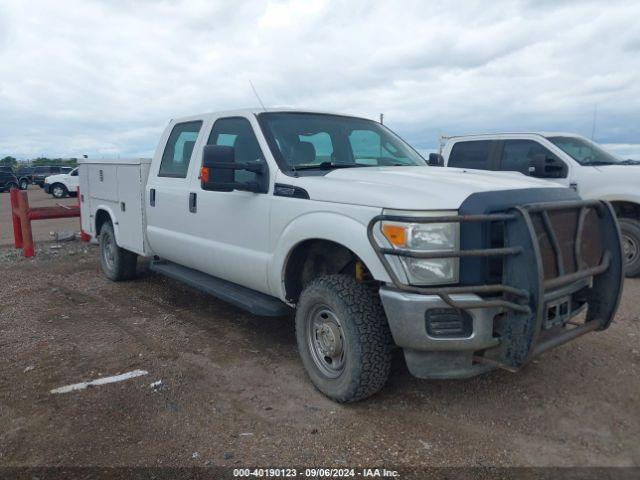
{"x":177,"y":152}
{"x":473,"y":154}
{"x":237,"y":132}
{"x":519,"y":155}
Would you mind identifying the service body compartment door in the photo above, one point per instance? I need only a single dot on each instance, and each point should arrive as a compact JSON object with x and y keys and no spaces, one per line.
{"x":130,"y":209}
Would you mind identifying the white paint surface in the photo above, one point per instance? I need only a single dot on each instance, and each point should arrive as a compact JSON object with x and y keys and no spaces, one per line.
{"x":100,"y":381}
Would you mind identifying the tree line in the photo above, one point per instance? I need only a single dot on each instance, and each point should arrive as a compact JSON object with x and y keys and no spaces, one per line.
{"x":12,"y":162}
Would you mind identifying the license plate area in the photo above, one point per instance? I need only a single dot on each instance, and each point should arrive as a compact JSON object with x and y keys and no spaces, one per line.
{"x":557,"y":313}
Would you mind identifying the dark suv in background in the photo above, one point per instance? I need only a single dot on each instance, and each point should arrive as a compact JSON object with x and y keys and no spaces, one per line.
{"x":7,"y":181}
{"x":24,"y":175}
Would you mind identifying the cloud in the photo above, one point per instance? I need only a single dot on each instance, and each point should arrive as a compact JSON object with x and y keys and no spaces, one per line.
{"x":104,"y":77}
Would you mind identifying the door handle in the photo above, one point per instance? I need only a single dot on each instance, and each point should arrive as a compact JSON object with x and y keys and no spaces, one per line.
{"x":152,"y":197}
{"x":193,"y":202}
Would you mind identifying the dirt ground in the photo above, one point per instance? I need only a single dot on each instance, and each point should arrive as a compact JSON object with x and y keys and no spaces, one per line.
{"x":233,"y":392}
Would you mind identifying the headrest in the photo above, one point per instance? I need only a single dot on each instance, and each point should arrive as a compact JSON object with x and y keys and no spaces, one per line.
{"x":303,"y":153}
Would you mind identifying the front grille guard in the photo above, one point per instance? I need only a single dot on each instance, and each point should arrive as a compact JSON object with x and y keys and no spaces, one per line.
{"x":523,"y":288}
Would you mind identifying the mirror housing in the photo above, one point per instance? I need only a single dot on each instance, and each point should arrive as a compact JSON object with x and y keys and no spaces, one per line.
{"x":541,"y":166}
{"x":435,"y":160}
{"x":218,"y":171}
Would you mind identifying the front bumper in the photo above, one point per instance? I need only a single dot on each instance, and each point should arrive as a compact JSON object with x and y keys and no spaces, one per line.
{"x":533,"y":308}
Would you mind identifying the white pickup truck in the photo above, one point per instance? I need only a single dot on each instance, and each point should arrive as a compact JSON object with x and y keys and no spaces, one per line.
{"x":566,"y":159}
{"x":62,"y":184}
{"x":338,"y":218}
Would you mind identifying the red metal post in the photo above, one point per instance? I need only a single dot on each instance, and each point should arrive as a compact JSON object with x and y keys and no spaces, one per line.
{"x":25,"y":221}
{"x":84,"y":237}
{"x":17,"y":229}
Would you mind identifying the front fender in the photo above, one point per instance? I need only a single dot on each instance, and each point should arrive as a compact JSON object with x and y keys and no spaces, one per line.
{"x":333,"y":227}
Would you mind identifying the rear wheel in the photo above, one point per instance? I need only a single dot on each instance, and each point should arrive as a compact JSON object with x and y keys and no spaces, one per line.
{"x":630,"y":230}
{"x":24,"y":184}
{"x":9,"y":186}
{"x":343,"y":338}
{"x":117,"y":263}
{"x":58,"y":190}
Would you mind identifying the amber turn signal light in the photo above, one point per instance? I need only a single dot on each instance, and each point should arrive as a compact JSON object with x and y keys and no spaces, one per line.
{"x":396,"y":234}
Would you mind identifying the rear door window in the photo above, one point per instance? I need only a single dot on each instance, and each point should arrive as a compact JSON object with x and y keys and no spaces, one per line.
{"x":177,"y":153}
{"x":472,"y":154}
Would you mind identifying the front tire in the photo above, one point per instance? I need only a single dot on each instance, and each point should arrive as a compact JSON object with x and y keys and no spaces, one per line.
{"x":58,"y":190}
{"x":343,"y":338}
{"x":117,"y":263}
{"x":10,"y":186}
{"x":630,"y":230}
{"x":24,"y":184}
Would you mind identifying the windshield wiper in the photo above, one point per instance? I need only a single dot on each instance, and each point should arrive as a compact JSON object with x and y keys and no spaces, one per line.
{"x":598,"y":162}
{"x":327,"y":166}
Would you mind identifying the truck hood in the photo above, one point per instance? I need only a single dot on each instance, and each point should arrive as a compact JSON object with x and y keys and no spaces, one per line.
{"x":56,"y":178}
{"x":410,"y":188}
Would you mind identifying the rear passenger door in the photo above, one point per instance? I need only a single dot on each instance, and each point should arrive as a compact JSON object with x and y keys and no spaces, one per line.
{"x":475,"y":154}
{"x":167,"y":194}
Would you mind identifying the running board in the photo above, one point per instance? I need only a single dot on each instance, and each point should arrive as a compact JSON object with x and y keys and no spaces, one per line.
{"x":250,"y":300}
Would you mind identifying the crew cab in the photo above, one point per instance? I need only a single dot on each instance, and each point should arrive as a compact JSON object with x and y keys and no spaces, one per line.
{"x":62,"y":184}
{"x":338,"y":219}
{"x":566,"y":159}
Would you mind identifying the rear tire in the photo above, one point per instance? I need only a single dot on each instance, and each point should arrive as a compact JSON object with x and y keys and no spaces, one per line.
{"x":58,"y":190}
{"x":24,"y":184}
{"x":343,"y":338}
{"x":117,"y":263}
{"x":9,"y":186}
{"x":630,"y":230}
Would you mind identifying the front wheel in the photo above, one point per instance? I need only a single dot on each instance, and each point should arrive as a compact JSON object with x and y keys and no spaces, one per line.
{"x":343,"y":338}
{"x":117,"y":263}
{"x":58,"y":190}
{"x":24,"y":184}
{"x":630,"y":230}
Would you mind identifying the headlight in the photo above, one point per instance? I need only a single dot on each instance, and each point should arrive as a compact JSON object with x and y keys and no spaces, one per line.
{"x":425,"y":237}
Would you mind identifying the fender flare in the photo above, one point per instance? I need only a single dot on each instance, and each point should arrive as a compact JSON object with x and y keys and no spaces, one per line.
{"x":334,"y":227}
{"x":109,"y":211}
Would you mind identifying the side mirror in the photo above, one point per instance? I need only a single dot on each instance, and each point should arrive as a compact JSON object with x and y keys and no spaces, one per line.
{"x":541,"y":166}
{"x":218,"y":171}
{"x":435,"y":160}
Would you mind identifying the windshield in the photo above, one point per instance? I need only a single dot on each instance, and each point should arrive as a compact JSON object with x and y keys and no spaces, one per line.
{"x":585,"y":152}
{"x":307,"y":141}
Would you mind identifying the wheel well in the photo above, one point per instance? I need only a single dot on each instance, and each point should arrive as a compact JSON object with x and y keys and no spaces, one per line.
{"x":627,"y":210}
{"x":102,"y":216}
{"x":313,"y":258}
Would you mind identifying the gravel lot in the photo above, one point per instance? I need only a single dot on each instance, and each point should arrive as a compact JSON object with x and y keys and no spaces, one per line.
{"x":234,"y":393}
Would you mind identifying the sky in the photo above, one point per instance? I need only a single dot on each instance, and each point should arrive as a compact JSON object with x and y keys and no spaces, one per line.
{"x":103,"y":78}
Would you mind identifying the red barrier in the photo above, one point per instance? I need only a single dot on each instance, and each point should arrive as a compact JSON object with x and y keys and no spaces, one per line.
{"x":22,"y":216}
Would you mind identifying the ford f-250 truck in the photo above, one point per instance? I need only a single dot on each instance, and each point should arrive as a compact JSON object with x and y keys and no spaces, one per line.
{"x":338,"y":218}
{"x":566,"y":159}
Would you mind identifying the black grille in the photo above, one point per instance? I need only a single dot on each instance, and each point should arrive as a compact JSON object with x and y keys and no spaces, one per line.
{"x":564,"y":225}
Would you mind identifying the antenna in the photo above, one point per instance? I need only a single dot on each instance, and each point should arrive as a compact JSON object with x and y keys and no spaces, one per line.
{"x":257,"y":96}
{"x":382,"y":118}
